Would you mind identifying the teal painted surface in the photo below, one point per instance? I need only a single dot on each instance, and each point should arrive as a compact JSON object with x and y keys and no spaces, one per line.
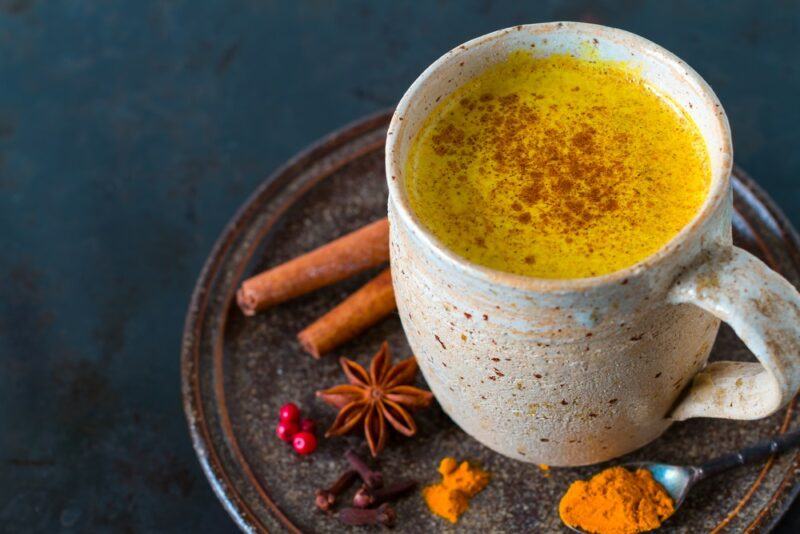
{"x":131,"y":131}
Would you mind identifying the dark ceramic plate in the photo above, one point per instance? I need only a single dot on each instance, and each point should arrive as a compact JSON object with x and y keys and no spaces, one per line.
{"x":237,"y":372}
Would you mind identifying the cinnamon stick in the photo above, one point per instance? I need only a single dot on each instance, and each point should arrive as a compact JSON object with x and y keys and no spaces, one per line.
{"x":353,"y":253}
{"x":359,"y":311}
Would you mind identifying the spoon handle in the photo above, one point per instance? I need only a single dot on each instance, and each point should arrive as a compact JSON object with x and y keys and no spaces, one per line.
{"x":759,"y":451}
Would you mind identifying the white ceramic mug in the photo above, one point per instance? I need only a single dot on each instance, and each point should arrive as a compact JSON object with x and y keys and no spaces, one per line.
{"x":572,"y":372}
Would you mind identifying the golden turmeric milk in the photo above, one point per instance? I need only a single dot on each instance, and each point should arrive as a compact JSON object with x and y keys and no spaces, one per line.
{"x":557,"y":167}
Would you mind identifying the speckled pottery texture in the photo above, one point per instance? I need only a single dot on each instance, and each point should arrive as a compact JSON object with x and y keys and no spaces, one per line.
{"x":574,"y":372}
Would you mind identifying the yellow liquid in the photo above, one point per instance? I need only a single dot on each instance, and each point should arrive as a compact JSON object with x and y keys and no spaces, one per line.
{"x":557,"y":167}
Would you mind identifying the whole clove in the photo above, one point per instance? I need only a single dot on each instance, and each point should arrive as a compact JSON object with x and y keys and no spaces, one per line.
{"x":325,"y":498}
{"x":373,"y":479}
{"x":365,"y":497}
{"x":383,"y":515}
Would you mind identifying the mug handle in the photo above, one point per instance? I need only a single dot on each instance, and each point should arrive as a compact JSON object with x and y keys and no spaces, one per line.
{"x":763,"y":309}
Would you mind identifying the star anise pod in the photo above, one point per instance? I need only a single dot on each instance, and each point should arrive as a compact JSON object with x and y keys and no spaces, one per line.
{"x":375,"y":397}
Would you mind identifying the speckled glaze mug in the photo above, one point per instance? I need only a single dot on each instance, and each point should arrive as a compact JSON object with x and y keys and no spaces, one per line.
{"x":573,"y":372}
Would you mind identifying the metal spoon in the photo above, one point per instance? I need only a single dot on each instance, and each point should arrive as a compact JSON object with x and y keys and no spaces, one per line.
{"x":679,"y":479}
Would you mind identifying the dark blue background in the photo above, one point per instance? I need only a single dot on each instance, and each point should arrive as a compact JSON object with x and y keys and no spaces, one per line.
{"x":130,"y":131}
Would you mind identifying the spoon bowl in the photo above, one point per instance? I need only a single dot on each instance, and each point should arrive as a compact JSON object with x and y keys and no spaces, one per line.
{"x":677,"y":480}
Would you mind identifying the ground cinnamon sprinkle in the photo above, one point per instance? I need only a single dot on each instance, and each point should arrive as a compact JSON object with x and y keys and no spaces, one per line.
{"x":556,"y":167}
{"x":450,"y":497}
{"x":616,"y":501}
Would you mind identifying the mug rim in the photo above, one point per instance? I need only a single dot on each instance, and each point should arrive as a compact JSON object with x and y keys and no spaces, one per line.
{"x":714,"y":199}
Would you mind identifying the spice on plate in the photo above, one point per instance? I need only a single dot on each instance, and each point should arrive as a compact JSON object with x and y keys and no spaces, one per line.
{"x":304,"y":443}
{"x":372,"y":479}
{"x":383,"y":515}
{"x":616,"y":501}
{"x":370,"y":503}
{"x":373,"y":399}
{"x":347,"y":256}
{"x":450,"y":497}
{"x":366,"y":497}
{"x":364,"y":308}
{"x":325,"y":498}
{"x":545,"y":470}
{"x":292,"y":430}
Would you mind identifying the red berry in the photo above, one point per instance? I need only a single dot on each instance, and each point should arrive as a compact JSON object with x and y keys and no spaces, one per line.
{"x":304,"y":443}
{"x":286,"y":430}
{"x":289,"y":412}
{"x":308,"y":425}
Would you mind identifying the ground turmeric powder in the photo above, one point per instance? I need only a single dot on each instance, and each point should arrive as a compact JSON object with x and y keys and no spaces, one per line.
{"x":450,"y":497}
{"x":545,"y":470}
{"x":616,"y":501}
